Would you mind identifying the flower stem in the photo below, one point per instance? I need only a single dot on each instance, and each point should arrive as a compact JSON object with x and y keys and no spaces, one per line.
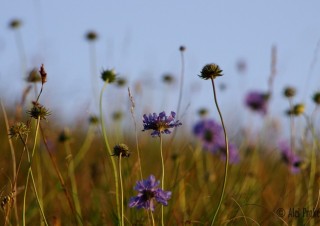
{"x":162,"y":177}
{"x":227,"y":154}
{"x":121,"y":189}
{"x":104,"y":132}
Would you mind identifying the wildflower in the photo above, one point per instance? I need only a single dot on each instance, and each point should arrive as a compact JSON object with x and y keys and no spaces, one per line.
{"x":289,"y":92}
{"x":210,"y":71}
{"x":148,"y":194}
{"x":209,"y":132}
{"x":160,"y":124}
{"x":108,"y":75}
{"x":294,"y":162}
{"x":257,"y":101}
{"x":316,"y":98}
{"x":18,"y":129}
{"x":38,"y":111}
{"x":121,"y":150}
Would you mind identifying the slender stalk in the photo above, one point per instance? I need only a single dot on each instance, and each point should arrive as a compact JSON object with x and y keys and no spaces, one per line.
{"x":152,"y":218}
{"x":14,"y":164}
{"x":162,"y":178}
{"x":227,"y":154}
{"x":73,"y":184}
{"x":121,"y":189}
{"x":32,"y":178}
{"x":104,"y":132}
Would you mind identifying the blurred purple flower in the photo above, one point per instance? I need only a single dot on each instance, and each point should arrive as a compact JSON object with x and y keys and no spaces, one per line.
{"x":160,"y":124}
{"x":257,"y":101}
{"x":148,"y":193}
{"x":293,"y":161}
{"x":210,"y":133}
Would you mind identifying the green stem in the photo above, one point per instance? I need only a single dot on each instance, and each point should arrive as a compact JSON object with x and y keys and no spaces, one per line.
{"x":32,"y":178}
{"x":104,"y":132}
{"x":121,"y":189}
{"x":162,"y":178}
{"x":74,"y":184}
{"x":227,"y":154}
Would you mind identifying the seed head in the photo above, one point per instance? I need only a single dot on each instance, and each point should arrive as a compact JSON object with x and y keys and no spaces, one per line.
{"x":91,"y":36}
{"x":121,"y":150}
{"x":210,"y":71}
{"x":168,"y":78}
{"x":108,"y":76}
{"x":121,"y":82}
{"x":18,"y":129}
{"x":289,"y":92}
{"x":43,"y":74}
{"x":33,"y":76}
{"x":38,"y":111}
{"x":64,"y":136}
{"x":182,"y":48}
{"x":93,"y":120}
{"x":117,"y":115}
{"x":296,"y":110}
{"x":316,"y":98}
{"x":15,"y":23}
{"x":202,"y":112}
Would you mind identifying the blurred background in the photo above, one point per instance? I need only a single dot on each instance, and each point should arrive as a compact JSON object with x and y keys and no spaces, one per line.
{"x":140,"y":40}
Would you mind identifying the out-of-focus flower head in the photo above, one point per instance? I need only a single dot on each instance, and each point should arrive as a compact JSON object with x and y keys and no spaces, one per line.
{"x":293,"y":161}
{"x":209,"y":132}
{"x":148,"y":194}
{"x":257,"y":101}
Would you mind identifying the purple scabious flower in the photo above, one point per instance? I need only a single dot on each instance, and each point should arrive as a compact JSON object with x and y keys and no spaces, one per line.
{"x":209,"y":132}
{"x":257,"y":101}
{"x":148,"y":193}
{"x":160,"y":124}
{"x":293,"y":161}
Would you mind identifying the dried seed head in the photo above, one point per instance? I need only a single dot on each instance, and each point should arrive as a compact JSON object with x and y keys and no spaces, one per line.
{"x":108,"y":76}
{"x":121,"y":82}
{"x":117,"y":115}
{"x":93,"y":120}
{"x":91,"y":36}
{"x":316,"y":98}
{"x":168,"y":78}
{"x":43,"y":74}
{"x":289,"y":92}
{"x":64,"y":136}
{"x":182,"y":48}
{"x":202,"y":112}
{"x":121,"y":150}
{"x":38,"y":111}
{"x":19,"y":129}
{"x":15,"y":23}
{"x":33,"y":76}
{"x":210,"y":71}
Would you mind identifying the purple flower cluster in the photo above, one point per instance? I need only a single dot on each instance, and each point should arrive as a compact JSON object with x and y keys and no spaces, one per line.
{"x":293,"y":161}
{"x":160,"y":124}
{"x":148,"y":193}
{"x":210,"y":133}
{"x":257,"y":101}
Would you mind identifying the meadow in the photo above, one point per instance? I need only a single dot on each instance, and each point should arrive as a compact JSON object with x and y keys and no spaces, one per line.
{"x":151,"y":168}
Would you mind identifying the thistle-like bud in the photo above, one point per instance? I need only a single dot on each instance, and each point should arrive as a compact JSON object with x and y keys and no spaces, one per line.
{"x":210,"y":71}
{"x":38,"y":111}
{"x":15,"y":23}
{"x":316,"y":98}
{"x":91,"y":36}
{"x":108,"y":76}
{"x":18,"y":130}
{"x":43,"y":74}
{"x":182,"y":48}
{"x":33,"y":76}
{"x":289,"y":92}
{"x":121,"y":150}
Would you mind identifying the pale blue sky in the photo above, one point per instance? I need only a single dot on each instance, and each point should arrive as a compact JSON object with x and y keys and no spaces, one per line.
{"x":140,"y":39}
